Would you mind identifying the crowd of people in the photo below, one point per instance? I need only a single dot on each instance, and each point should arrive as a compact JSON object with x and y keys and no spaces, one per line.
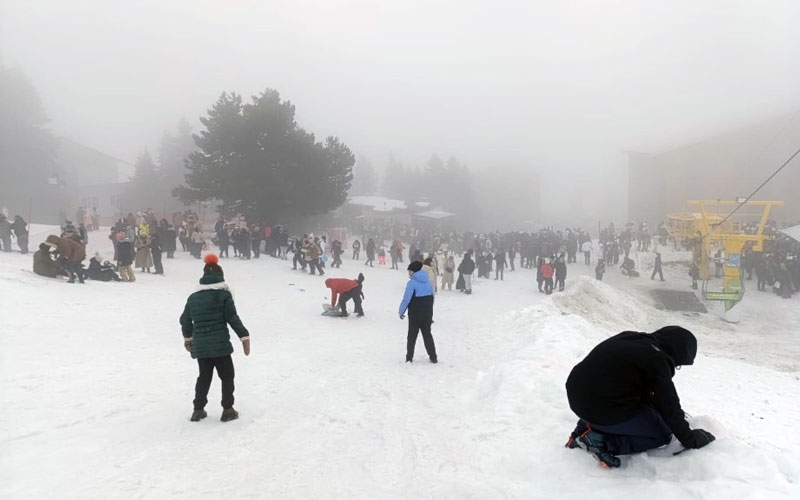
{"x":456,"y":259}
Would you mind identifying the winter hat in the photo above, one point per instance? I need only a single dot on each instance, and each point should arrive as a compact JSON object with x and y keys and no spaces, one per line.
{"x":360,"y":278}
{"x":679,"y":343}
{"x":415,"y":266}
{"x":212,"y":272}
{"x":98,"y":256}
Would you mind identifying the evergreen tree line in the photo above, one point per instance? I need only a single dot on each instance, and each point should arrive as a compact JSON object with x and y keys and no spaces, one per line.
{"x":154,"y":178}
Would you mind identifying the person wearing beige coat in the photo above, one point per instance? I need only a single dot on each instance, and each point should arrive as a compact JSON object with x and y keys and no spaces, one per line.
{"x":448,"y":274}
{"x":427,"y":266}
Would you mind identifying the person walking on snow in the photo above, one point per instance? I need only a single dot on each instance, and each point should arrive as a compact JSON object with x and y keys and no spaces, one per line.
{"x":657,"y":268}
{"x":418,"y":302}
{"x":624,"y":397}
{"x":204,"y":324}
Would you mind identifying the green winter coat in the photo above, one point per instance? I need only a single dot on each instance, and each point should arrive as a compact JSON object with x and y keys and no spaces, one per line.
{"x":206,"y":317}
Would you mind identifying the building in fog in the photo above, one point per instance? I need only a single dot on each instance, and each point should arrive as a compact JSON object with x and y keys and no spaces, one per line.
{"x":727,"y":166}
{"x":80,"y":176}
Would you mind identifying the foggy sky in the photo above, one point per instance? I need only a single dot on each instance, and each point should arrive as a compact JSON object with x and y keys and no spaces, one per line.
{"x":563,"y":87}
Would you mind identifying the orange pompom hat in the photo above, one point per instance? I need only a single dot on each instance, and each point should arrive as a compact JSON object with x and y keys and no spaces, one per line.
{"x":212,"y":272}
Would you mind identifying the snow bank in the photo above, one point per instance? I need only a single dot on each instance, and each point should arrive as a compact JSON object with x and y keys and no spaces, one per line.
{"x":606,"y":306}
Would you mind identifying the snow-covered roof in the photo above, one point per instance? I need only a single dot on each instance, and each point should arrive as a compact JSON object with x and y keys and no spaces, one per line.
{"x":435,"y":214}
{"x":423,"y":204}
{"x":377,"y":203}
{"x":792,"y":232}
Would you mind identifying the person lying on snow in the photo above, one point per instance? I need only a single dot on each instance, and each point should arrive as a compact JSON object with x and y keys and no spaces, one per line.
{"x":345,"y":289}
{"x":624,"y":397}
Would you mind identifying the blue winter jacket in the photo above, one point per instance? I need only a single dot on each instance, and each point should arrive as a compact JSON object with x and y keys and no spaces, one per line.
{"x":418,"y":286}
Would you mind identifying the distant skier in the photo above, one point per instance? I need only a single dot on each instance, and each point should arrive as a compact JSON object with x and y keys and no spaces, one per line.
{"x":418,"y":302}
{"x":204,"y":324}
{"x":624,"y":396}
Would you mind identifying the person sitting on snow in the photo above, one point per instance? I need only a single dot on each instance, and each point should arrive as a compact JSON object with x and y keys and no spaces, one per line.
{"x":100,"y":270}
{"x":345,"y":289}
{"x":624,"y":397}
{"x":44,"y":265}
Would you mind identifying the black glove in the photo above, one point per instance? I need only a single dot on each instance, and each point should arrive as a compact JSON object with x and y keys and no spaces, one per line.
{"x":701,"y":437}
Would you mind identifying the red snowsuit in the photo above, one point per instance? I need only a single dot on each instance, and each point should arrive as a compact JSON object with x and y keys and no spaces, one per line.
{"x":339,"y":285}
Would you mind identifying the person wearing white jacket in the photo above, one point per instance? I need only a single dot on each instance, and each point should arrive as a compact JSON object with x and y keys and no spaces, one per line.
{"x":586,"y":248}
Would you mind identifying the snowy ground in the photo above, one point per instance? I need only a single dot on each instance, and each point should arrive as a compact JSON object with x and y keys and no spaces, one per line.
{"x":96,"y":391}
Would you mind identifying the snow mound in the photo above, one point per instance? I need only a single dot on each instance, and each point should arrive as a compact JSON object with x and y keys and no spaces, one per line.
{"x":604,"y":305}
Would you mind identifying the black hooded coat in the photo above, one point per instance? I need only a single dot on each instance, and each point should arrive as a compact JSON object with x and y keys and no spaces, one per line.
{"x":630,"y":370}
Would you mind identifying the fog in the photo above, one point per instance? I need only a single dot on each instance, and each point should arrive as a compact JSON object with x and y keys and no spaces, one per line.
{"x":559,"y":88}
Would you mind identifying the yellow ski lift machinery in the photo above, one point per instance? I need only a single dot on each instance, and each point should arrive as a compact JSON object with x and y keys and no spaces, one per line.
{"x":717,"y":227}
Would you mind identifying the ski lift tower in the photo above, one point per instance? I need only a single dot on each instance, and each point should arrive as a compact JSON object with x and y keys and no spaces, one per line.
{"x":721,"y":225}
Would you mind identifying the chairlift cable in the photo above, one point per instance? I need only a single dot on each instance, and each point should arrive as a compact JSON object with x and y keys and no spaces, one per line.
{"x":758,"y":188}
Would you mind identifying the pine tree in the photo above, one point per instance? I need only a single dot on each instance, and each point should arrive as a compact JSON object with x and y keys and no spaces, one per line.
{"x":254,"y":159}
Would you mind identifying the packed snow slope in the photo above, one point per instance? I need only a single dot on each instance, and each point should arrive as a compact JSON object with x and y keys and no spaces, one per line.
{"x":97,"y":391}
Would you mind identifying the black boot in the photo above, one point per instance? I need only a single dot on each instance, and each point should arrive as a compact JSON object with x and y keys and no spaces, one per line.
{"x":229,"y":414}
{"x":198,"y":415}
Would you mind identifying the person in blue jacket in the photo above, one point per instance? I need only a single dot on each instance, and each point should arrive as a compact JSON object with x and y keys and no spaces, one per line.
{"x":418,"y":301}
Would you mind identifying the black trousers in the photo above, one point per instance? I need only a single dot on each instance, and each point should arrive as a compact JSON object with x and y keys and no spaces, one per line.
{"x":157,"y":263}
{"x":224,"y":366}
{"x":657,"y":270}
{"x":354,"y":294}
{"x":644,"y":431}
{"x":415,"y":325}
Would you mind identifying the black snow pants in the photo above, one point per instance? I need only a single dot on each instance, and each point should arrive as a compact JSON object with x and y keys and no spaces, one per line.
{"x":644,"y":431}
{"x":224,"y":366}
{"x":354,"y":294}
{"x":420,"y":317}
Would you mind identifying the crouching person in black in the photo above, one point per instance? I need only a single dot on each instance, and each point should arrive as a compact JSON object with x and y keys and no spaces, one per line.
{"x":623,"y":393}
